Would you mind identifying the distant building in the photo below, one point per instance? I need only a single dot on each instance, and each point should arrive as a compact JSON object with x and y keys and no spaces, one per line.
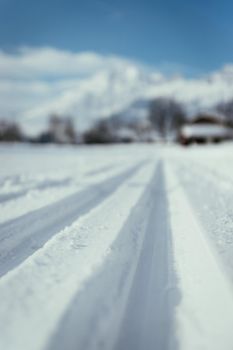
{"x":61,"y":130}
{"x":205,"y":129}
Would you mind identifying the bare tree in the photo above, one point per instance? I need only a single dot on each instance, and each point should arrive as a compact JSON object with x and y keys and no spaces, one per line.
{"x":101,"y":132}
{"x":61,"y":129}
{"x":10,"y":131}
{"x":166,"y":115}
{"x":226,"y":109}
{"x":70,"y":130}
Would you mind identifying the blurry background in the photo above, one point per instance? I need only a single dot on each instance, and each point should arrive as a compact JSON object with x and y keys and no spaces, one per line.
{"x":100,"y":71}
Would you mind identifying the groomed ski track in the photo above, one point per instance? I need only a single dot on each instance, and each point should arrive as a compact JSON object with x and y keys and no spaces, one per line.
{"x":140,"y":257}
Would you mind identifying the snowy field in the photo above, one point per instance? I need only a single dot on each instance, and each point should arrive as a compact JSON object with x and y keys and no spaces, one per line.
{"x":116,"y":248}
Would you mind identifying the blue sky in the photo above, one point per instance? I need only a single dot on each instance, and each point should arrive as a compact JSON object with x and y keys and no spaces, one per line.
{"x":188,"y":36}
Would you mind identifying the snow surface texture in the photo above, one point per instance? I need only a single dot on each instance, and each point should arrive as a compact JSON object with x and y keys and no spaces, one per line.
{"x":116,"y":248}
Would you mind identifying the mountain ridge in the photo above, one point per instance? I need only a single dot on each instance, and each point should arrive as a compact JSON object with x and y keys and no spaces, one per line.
{"x":89,"y":86}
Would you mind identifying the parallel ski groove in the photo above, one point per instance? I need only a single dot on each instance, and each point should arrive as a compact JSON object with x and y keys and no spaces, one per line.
{"x":215,"y":211}
{"x":149,"y":312}
{"x":92,"y":308}
{"x":204,"y":315}
{"x":52,"y":275}
{"x":127,"y":262}
{"x":20,"y":237}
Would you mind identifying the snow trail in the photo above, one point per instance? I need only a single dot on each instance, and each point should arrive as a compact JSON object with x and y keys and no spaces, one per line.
{"x":204,"y":316}
{"x":20,"y":237}
{"x":44,"y":290}
{"x":117,"y":303}
{"x":148,"y":316}
{"x":133,"y":253}
{"x":215,"y":210}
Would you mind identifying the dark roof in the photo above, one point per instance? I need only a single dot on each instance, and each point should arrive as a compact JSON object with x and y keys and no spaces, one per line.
{"x":207,"y":119}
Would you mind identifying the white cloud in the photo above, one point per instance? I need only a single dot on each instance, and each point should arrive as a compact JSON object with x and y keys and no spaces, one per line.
{"x":35,"y":82}
{"x":29,"y":63}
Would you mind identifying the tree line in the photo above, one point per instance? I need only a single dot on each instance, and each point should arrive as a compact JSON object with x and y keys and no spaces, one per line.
{"x":164,"y":119}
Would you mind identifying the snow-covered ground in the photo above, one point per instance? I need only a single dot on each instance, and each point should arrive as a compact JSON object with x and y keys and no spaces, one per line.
{"x":116,"y":248}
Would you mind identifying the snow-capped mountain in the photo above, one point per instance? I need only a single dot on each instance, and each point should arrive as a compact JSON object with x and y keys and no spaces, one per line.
{"x":107,"y":92}
{"x":118,"y":89}
{"x":38,"y":82}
